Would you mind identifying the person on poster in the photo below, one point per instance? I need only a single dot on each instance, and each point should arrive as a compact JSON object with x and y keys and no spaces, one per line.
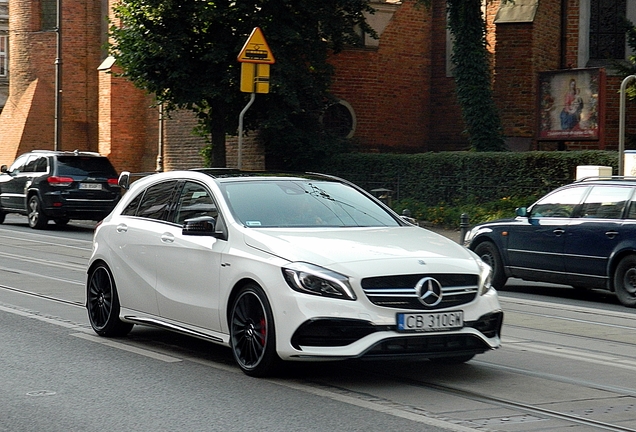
{"x":572,"y":107}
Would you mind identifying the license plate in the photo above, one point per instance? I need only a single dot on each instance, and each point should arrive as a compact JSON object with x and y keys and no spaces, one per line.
{"x":92,"y":186}
{"x":425,"y":322}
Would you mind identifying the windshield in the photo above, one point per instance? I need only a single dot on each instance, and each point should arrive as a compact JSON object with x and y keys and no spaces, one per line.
{"x":303,"y":203}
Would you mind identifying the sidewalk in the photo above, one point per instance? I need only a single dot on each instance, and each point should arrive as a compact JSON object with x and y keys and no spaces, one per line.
{"x":449,"y":233}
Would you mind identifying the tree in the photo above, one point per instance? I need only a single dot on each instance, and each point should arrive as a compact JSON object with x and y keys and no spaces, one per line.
{"x":472,"y":74}
{"x":185,"y":52}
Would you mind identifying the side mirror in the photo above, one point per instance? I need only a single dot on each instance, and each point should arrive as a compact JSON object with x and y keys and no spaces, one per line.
{"x":3,"y":169}
{"x":199,"y":226}
{"x":124,"y":180}
{"x":522,"y":211}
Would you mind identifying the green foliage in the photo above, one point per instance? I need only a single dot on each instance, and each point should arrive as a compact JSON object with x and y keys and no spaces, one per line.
{"x":472,"y":74}
{"x":448,"y":214}
{"x":438,"y":187}
{"x":185,"y":52}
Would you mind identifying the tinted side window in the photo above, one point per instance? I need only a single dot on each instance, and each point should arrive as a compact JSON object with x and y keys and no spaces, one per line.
{"x":605,"y":202}
{"x":131,"y":208}
{"x":36,"y":164}
{"x":559,"y":204}
{"x":42,"y":164}
{"x":30,"y":165}
{"x":18,"y":165}
{"x":155,"y":202}
{"x":631,"y":213}
{"x":194,"y":201}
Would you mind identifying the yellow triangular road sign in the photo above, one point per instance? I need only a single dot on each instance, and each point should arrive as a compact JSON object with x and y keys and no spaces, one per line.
{"x":256,"y":49}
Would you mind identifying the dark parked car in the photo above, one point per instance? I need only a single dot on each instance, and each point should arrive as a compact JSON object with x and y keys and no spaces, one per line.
{"x":57,"y":185}
{"x":582,"y":234}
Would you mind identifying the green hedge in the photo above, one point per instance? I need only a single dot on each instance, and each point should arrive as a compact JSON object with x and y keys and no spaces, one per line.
{"x":454,"y":177}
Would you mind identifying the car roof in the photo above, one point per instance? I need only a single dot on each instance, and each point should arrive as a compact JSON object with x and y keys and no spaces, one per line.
{"x":227,"y":175}
{"x":232,"y":173}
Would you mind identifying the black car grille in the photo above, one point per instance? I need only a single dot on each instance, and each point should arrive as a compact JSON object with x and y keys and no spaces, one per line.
{"x":428,"y":346}
{"x":398,"y":292}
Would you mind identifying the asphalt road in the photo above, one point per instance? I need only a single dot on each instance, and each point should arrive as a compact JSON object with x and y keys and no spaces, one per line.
{"x":567,"y":364}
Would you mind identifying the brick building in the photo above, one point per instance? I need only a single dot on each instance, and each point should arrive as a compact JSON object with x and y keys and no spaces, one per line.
{"x":397,"y":93}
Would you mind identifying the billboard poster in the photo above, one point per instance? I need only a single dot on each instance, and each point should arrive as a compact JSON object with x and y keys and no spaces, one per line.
{"x":570,"y":104}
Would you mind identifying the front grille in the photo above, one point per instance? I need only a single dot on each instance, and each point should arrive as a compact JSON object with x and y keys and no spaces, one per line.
{"x":398,"y":292}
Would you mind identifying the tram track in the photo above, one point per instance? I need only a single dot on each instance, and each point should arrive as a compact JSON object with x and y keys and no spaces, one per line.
{"x":545,"y":331}
{"x":518,"y":412}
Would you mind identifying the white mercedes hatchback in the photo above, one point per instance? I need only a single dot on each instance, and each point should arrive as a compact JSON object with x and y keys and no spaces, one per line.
{"x":286,"y":267}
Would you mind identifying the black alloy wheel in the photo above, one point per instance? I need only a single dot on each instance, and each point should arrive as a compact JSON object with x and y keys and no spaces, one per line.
{"x":37,"y":219}
{"x":252,"y":334}
{"x":625,"y":281}
{"x":102,"y":304}
{"x":489,"y":254}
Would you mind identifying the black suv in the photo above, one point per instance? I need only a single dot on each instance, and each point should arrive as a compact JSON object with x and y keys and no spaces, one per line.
{"x":58,"y":185}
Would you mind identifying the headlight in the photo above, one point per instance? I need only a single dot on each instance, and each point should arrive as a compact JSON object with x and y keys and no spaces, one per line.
{"x":485,"y":277}
{"x":311,"y":279}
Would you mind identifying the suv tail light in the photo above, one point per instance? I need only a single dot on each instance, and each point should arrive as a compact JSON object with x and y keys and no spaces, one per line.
{"x":60,"y":181}
{"x":113,"y":182}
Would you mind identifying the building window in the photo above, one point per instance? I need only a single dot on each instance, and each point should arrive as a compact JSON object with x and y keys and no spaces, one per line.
{"x":607,"y":30}
{"x":3,"y":55}
{"x":601,"y":35}
{"x":339,"y":119}
{"x":49,"y":14}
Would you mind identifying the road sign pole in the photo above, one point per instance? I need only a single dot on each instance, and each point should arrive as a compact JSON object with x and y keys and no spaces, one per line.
{"x":254,"y":80}
{"x":240,"y":132}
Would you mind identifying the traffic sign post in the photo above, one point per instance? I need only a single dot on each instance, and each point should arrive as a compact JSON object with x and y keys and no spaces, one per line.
{"x":255,"y":58}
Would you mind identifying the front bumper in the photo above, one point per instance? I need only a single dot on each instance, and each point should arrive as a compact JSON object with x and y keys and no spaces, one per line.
{"x":341,"y":337}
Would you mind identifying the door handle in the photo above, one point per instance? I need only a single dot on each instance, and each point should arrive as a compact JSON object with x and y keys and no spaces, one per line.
{"x":558,"y":231}
{"x":611,"y":234}
{"x":121,"y":228}
{"x":167,"y":238}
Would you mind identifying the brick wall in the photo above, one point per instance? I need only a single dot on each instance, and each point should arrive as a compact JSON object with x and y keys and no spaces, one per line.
{"x":398,"y":70}
{"x":523,"y":50}
{"x":447,"y":125}
{"x":28,"y":120}
{"x":399,"y":90}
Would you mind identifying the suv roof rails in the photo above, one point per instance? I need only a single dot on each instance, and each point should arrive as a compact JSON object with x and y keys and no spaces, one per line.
{"x":74,"y":152}
{"x":609,"y":178}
